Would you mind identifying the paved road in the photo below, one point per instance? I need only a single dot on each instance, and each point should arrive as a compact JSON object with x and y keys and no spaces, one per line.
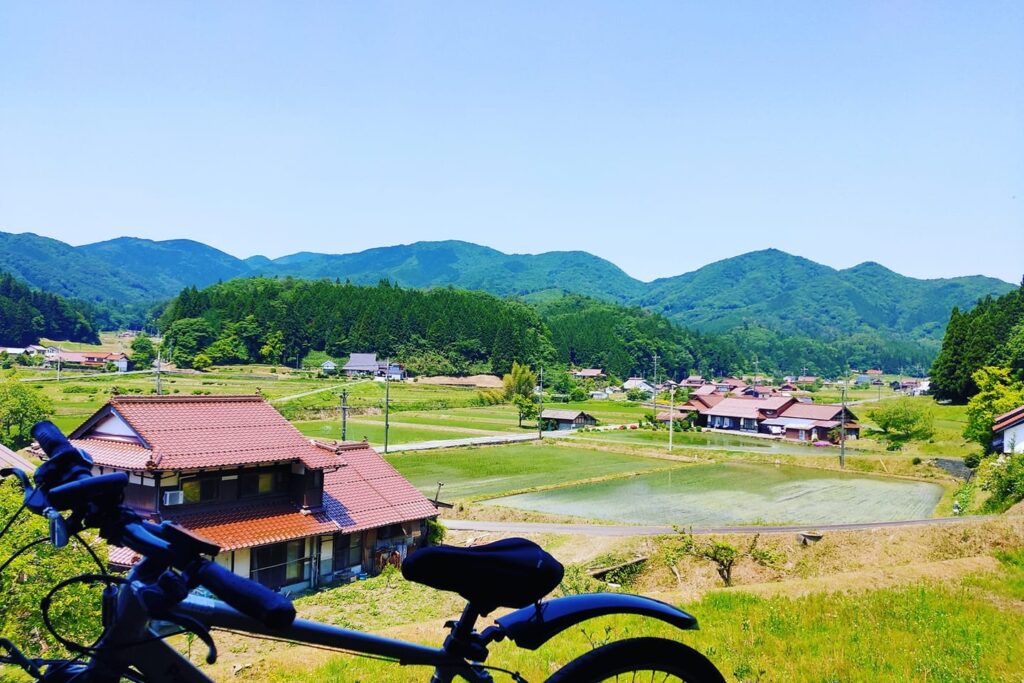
{"x":617,"y":530}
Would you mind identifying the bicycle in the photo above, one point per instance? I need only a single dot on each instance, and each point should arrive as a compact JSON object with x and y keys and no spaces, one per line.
{"x":157,"y":592}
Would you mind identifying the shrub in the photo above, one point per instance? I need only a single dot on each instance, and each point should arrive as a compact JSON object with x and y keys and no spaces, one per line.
{"x":972,"y":460}
{"x":915,"y":461}
{"x":436,"y":532}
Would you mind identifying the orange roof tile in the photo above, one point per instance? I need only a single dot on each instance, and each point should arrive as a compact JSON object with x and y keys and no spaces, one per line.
{"x":197,"y":432}
{"x":1008,"y":419}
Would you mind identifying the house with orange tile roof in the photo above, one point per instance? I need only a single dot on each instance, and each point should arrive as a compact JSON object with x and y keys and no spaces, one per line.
{"x":1008,"y":430}
{"x":286,"y":511}
{"x":813,"y":422}
{"x":746,"y":413}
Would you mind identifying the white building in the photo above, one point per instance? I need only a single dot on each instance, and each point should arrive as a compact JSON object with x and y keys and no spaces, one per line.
{"x":1008,"y":431}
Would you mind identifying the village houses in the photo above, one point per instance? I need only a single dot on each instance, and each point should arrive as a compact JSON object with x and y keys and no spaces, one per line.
{"x":286,"y":511}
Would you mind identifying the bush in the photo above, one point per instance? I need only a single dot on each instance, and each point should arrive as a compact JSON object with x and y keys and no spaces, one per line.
{"x":915,"y":461}
{"x":436,"y":532}
{"x":972,"y":460}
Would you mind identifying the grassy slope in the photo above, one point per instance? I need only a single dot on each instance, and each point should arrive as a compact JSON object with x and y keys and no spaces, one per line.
{"x":964,"y":625}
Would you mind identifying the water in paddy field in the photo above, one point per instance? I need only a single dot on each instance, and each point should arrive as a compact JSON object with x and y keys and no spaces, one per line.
{"x":716,"y":441}
{"x":725,"y":494}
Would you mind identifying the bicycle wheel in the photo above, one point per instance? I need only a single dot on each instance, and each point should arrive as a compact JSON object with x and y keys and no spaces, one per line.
{"x":639,"y":659}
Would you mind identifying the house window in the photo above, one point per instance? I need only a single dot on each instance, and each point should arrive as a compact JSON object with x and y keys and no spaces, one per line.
{"x":200,"y":490}
{"x":258,"y":484}
{"x":348,"y":550}
{"x":279,"y":564}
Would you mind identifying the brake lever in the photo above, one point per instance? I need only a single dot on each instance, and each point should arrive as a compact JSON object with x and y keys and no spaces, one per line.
{"x":58,"y":528}
{"x":161,"y":597}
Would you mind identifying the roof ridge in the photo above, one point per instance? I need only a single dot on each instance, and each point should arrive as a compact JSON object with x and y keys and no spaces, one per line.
{"x":221,"y":398}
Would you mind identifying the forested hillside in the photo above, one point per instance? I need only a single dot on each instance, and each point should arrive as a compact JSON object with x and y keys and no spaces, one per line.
{"x":769,"y":292}
{"x":990,"y":334}
{"x":282,"y":320}
{"x":27,"y":314}
{"x":450,"y":331}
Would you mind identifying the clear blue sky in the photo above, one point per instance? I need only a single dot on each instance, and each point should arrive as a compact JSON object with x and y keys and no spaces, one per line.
{"x":661,"y":136}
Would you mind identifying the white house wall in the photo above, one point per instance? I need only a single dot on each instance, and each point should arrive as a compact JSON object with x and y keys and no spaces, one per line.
{"x":1013,"y":438}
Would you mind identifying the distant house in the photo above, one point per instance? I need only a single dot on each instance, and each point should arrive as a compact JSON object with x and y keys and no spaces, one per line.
{"x":705,"y":390}
{"x":394,"y":372}
{"x":328,"y":367}
{"x":746,"y":414}
{"x":588,"y":373}
{"x":88,"y":359}
{"x":813,"y":422}
{"x":285,"y":510}
{"x":729,"y":385}
{"x":361,"y":364}
{"x":759,"y":391}
{"x":789,"y":386}
{"x":638,"y":383}
{"x":806,"y":379}
{"x":1008,"y":430}
{"x":873,"y":371}
{"x":693,"y":381}
{"x":599,"y":394}
{"x":568,"y":419}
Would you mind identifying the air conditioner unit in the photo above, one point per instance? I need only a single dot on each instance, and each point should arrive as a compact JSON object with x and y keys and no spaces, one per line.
{"x":174,"y":497}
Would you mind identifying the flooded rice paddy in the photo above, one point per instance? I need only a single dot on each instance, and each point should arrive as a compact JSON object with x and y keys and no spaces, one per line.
{"x":737,"y":493}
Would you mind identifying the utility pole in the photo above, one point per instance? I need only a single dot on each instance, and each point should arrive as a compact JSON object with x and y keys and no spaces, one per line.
{"x":344,"y":414}
{"x":387,"y":402}
{"x":159,"y":362}
{"x":842,"y":432}
{"x":654,"y":381}
{"x":671,"y":416}
{"x":59,"y":352}
{"x":540,"y":407}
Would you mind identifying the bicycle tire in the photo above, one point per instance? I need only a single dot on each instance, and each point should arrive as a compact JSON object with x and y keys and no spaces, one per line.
{"x":639,"y":655}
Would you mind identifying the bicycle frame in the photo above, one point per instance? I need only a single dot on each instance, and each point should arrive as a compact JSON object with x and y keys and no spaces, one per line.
{"x":529,"y":628}
{"x":158,"y":662}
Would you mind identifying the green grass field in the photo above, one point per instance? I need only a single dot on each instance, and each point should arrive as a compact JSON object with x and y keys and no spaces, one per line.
{"x":473,"y":473}
{"x":373,"y":432}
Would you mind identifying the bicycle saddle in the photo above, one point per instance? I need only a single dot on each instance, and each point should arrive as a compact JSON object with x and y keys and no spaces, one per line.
{"x":513,"y":572}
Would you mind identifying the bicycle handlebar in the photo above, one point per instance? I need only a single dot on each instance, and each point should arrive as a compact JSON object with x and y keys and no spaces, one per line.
{"x":66,"y":482}
{"x":248,"y":597}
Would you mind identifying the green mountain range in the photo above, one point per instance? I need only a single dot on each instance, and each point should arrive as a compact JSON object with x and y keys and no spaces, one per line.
{"x":770,"y":288}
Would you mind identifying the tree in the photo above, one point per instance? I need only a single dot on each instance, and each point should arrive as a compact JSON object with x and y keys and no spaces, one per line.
{"x":143,"y":351}
{"x":21,"y":406}
{"x":273,"y":347}
{"x":997,"y":393}
{"x":75,"y":611}
{"x":724,"y":555}
{"x":519,"y":384}
{"x":201,"y":362}
{"x":527,"y":407}
{"x":520,"y":381}
{"x":903,"y":420}
{"x":187,"y":337}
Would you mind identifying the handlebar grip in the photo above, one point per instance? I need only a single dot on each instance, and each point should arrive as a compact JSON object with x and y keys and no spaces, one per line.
{"x":51,"y":439}
{"x":248,"y":597}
